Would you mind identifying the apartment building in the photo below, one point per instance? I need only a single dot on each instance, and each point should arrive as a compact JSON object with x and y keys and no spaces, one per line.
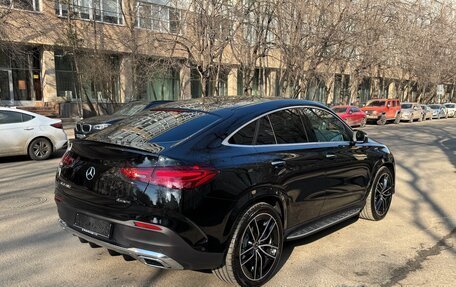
{"x":40,"y":40}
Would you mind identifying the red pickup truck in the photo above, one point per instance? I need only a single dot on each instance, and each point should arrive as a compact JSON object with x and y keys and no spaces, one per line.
{"x":383,"y":110}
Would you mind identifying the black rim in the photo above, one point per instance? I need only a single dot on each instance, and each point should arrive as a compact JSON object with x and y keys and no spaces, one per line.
{"x":259,"y":247}
{"x":383,"y":194}
{"x":41,"y":149}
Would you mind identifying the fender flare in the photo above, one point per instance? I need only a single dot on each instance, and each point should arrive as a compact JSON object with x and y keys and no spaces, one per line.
{"x":261,"y":193}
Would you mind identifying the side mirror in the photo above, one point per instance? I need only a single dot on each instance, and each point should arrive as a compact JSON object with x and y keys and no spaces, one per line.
{"x":359,"y":137}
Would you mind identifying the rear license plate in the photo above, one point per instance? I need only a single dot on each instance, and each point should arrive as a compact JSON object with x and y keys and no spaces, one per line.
{"x":93,"y":225}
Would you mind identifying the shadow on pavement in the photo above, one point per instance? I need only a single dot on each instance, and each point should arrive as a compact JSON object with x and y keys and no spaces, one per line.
{"x":24,"y":158}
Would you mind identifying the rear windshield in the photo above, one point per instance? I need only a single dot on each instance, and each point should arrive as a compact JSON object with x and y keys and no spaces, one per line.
{"x":406,"y":106}
{"x":146,"y":130}
{"x":376,"y":103}
{"x":339,"y":110}
{"x":131,"y":109}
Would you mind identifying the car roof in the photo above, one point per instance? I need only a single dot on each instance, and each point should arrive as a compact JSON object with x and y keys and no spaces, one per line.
{"x":19,"y":110}
{"x":223,"y":105}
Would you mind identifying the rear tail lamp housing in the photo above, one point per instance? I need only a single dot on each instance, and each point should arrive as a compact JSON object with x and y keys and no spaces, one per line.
{"x":175,"y":177}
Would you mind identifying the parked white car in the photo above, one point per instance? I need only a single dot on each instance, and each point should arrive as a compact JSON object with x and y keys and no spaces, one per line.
{"x":26,"y":133}
{"x":451,"y":107}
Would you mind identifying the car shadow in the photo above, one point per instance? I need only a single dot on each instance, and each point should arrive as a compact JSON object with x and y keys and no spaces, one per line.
{"x":24,"y":158}
{"x":289,"y":246}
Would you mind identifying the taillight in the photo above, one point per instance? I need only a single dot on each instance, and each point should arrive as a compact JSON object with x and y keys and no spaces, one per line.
{"x":176,"y":177}
{"x":66,"y":160}
{"x":58,"y":125}
{"x":138,"y":174}
{"x":147,"y":225}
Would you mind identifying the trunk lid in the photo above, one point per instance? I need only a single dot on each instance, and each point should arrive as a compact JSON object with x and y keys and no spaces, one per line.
{"x":91,"y":172}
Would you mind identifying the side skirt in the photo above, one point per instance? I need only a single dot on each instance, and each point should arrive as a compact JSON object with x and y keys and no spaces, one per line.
{"x":323,"y":223}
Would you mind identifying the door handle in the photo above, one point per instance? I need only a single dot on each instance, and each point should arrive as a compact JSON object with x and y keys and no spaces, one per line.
{"x":278,"y":163}
{"x":28,"y":129}
{"x":330,"y":155}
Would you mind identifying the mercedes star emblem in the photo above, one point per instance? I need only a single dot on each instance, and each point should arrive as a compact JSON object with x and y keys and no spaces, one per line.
{"x":90,"y":173}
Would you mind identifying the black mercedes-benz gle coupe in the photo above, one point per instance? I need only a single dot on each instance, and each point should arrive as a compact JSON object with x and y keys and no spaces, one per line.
{"x":220,"y":184}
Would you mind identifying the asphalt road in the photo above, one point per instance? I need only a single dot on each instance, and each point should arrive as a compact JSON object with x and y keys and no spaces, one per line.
{"x":413,"y":246}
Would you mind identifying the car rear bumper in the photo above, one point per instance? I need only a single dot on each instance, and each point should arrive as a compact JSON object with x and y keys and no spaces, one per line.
{"x":61,"y":144}
{"x":147,"y":257}
{"x":162,"y":249}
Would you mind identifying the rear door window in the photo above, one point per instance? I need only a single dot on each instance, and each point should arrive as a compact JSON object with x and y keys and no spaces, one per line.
{"x":265,"y":135}
{"x":245,"y":136}
{"x":288,"y":127}
{"x":26,"y":118}
{"x":258,"y":132}
{"x":9,"y":117}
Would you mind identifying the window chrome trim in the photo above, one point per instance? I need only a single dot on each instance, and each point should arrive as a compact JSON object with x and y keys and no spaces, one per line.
{"x":225,"y":142}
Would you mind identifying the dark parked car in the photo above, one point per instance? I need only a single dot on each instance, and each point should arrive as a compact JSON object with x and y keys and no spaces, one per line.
{"x":91,"y":125}
{"x":220,"y":184}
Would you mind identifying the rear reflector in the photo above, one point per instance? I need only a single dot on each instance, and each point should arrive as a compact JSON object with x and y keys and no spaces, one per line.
{"x":147,"y":225}
{"x":58,"y":198}
{"x":176,"y":177}
{"x":58,"y":125}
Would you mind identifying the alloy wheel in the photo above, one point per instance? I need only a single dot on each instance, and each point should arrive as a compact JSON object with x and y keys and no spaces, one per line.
{"x":41,"y":149}
{"x":383,"y":194}
{"x":259,"y":247}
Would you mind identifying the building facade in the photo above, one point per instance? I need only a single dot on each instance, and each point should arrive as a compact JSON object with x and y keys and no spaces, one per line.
{"x":77,"y":51}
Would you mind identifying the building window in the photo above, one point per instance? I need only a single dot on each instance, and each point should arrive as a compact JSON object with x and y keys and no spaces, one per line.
{"x":158,"y":18}
{"x":106,"y":11}
{"x":20,"y":75}
{"x":30,"y":5}
{"x":99,"y":77}
{"x":157,"y":80}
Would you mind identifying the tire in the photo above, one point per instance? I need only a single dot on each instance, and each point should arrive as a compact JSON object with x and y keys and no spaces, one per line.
{"x":40,"y":149}
{"x":246,"y":274}
{"x":373,"y":209}
{"x":382,"y":120}
{"x":363,"y":123}
{"x":397,"y":120}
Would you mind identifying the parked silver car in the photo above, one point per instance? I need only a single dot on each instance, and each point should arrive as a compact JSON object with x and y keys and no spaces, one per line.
{"x":451,"y":109}
{"x":427,"y":112}
{"x":438,"y":111}
{"x":411,"y":112}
